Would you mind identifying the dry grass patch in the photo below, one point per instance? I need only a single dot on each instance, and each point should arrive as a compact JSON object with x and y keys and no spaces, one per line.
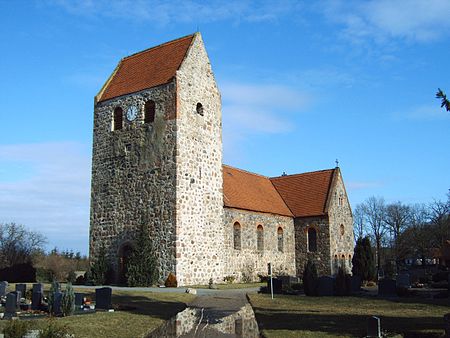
{"x":300,"y":316}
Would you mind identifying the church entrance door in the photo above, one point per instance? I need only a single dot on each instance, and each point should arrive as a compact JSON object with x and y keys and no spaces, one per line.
{"x":124,"y":259}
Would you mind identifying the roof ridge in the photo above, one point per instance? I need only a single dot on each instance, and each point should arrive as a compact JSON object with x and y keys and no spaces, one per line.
{"x":157,"y":46}
{"x":246,"y":171}
{"x":307,"y":172}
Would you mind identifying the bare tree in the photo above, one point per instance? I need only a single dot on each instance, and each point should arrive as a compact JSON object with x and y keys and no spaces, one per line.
{"x":397,"y":219}
{"x":18,"y":244}
{"x":358,"y":222}
{"x":375,"y":212}
{"x":445,"y":103}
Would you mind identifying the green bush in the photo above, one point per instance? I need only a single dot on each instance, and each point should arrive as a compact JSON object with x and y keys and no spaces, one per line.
{"x":68,"y":301}
{"x":363,"y":261}
{"x":310,"y":279}
{"x":15,"y":329}
{"x":100,"y":268}
{"x":54,"y":330}
{"x":342,"y":283}
{"x":51,"y":296}
{"x":142,"y":267}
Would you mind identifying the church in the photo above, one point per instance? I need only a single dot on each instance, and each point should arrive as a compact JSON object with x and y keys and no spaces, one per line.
{"x":157,"y":164}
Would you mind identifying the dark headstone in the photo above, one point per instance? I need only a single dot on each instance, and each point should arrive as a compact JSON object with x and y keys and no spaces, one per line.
{"x":57,"y":299}
{"x":447,"y":324}
{"x":22,"y":288}
{"x":355,"y":284}
{"x":11,"y":305}
{"x":36,"y":300}
{"x":3,"y":288}
{"x":79,"y":299}
{"x":403,"y":280}
{"x":103,"y":298}
{"x":18,"y":295}
{"x":373,"y":327}
{"x":387,"y":288}
{"x":325,"y":286}
{"x":277,"y":285}
{"x":38,"y":287}
{"x":287,"y":281}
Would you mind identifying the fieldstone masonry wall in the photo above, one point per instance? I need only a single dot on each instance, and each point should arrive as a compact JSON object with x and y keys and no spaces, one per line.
{"x":199,"y":237}
{"x":250,"y":261}
{"x":341,"y":227}
{"x":134,"y":177}
{"x":321,"y":257}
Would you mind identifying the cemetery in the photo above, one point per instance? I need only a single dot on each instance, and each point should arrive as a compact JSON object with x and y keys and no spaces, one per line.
{"x":97,"y":312}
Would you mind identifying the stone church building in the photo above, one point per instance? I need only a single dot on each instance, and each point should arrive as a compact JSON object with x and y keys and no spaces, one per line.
{"x":157,"y":164}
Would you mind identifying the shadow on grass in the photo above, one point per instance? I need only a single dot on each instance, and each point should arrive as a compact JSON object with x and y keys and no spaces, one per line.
{"x":147,"y":306}
{"x":352,"y":325}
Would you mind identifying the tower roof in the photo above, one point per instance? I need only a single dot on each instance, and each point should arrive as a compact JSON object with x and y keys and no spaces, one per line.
{"x":150,"y":68}
{"x":306,"y":194}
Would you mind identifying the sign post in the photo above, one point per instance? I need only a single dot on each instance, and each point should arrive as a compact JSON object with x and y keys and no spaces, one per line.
{"x":269,"y":268}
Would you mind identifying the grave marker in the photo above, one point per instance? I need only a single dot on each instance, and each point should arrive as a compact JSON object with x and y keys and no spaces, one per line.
{"x":11,"y":305}
{"x":325,"y":286}
{"x":374,"y":327}
{"x":3,"y":288}
{"x":387,"y":288}
{"x":103,"y":298}
{"x":22,"y":288}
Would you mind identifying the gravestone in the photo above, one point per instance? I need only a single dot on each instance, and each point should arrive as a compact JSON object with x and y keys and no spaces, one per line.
{"x":79,"y":299}
{"x":325,"y":286}
{"x":277,"y":285}
{"x":57,"y":299}
{"x":11,"y":305}
{"x":287,"y":281}
{"x":22,"y":288}
{"x":38,"y":287}
{"x":18,"y":295}
{"x":103,"y":298}
{"x":36,"y":300}
{"x":403,"y":280}
{"x":355,"y":284}
{"x":373,"y":327}
{"x":387,"y":288}
{"x":3,"y":288}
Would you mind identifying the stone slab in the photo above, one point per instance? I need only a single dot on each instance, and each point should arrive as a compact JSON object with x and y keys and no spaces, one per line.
{"x":325,"y":286}
{"x":387,"y":288}
{"x":103,"y":298}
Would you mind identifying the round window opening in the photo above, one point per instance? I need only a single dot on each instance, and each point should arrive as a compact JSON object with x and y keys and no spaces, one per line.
{"x":199,"y":109}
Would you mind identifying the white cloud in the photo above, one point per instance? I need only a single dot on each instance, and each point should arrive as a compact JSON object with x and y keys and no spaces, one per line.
{"x":383,"y":20}
{"x":423,"y":112}
{"x":165,"y":12}
{"x":53,"y":197}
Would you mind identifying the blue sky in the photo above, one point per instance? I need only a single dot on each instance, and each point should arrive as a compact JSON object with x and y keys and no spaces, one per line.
{"x":302,"y":83}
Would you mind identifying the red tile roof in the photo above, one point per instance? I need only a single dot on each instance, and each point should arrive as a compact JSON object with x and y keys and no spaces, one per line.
{"x":149,"y":68}
{"x":249,"y":191}
{"x":305,"y":194}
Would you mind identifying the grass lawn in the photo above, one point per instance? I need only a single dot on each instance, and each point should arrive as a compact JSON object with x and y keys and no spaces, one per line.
{"x":142,"y":312}
{"x":301,"y":316}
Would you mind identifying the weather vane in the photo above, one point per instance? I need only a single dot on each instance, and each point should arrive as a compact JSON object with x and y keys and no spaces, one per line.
{"x":337,"y":163}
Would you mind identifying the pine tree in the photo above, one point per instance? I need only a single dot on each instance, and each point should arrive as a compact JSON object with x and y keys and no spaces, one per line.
{"x":142,"y":266}
{"x":363,"y":261}
{"x":51,"y":296}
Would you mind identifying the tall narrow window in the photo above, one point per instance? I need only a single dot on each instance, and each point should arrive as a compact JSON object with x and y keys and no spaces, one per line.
{"x":343,"y":264}
{"x":280,"y":239}
{"x":149,"y":112}
{"x":199,"y":109}
{"x":260,"y":238}
{"x":312,"y":240}
{"x":237,"y":236}
{"x":350,"y":262}
{"x":118,"y":119}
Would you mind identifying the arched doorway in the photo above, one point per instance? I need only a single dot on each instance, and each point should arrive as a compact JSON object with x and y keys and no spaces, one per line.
{"x":124,"y":257}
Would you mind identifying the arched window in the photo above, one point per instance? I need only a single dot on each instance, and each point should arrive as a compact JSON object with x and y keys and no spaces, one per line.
{"x":260,"y":238}
{"x":118,"y":119}
{"x":336,"y":263}
{"x":149,"y":111}
{"x":312,"y":240}
{"x":199,"y":109}
{"x":350,"y":262}
{"x":343,"y":263}
{"x":342,"y":229}
{"x":280,"y":239}
{"x":237,"y":236}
